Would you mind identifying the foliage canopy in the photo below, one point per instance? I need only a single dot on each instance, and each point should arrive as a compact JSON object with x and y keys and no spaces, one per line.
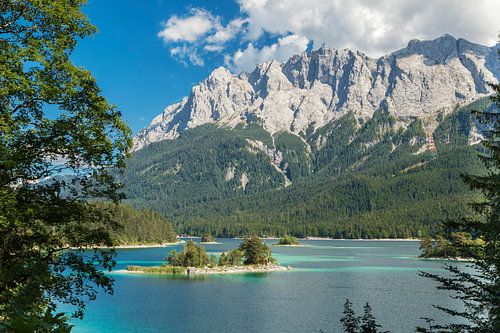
{"x":59,"y":139}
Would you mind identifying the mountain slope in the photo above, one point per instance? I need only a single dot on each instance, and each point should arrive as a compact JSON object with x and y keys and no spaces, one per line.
{"x":346,"y":179}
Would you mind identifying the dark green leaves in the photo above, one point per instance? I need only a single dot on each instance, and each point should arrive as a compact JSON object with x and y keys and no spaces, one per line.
{"x":59,"y":141}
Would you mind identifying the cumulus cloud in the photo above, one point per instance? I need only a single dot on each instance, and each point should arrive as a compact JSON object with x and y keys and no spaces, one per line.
{"x":200,"y":31}
{"x":189,"y":28}
{"x":284,"y":48}
{"x":228,"y":32}
{"x":374,"y":27}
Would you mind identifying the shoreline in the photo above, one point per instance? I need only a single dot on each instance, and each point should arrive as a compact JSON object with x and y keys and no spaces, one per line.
{"x":146,"y":246}
{"x":140,"y":246}
{"x":238,"y":269}
{"x":461,"y":259}
{"x":362,"y":239}
{"x":263,"y":238}
{"x":167,"y":270}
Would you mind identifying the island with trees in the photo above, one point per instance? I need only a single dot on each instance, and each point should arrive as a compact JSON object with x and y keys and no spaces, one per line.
{"x":208,"y":239}
{"x":250,"y":257}
{"x":288,"y":240}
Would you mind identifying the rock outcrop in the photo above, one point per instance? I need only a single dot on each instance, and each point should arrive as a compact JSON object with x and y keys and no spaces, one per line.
{"x":312,"y":89}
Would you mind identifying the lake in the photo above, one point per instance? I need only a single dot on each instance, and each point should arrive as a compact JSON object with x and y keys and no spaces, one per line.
{"x":309,"y":298}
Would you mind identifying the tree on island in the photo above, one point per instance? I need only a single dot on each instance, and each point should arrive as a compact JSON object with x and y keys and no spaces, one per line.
{"x":252,"y":251}
{"x":231,"y":258}
{"x":288,"y":240}
{"x":192,"y":255}
{"x":207,"y":238}
{"x":59,"y":140}
{"x":255,"y":252}
{"x":478,"y":287}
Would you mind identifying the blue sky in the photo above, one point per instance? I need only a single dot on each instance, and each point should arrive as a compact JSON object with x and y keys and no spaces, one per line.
{"x":131,"y":63}
{"x":148,"y":53}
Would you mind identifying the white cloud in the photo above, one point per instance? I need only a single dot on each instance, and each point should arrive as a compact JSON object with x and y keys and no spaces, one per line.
{"x":186,"y":53}
{"x":198,"y":33}
{"x":213,"y":48}
{"x":284,"y":48}
{"x":374,"y":27}
{"x":224,"y":34}
{"x":189,"y":28}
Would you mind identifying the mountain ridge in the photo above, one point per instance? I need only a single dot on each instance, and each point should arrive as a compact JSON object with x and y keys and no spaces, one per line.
{"x":312,"y":89}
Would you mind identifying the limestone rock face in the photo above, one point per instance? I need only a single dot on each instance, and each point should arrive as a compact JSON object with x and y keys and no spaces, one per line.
{"x":312,"y":89}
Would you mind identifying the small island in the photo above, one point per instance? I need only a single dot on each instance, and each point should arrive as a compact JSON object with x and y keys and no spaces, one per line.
{"x":288,"y":241}
{"x":207,"y":239}
{"x":250,"y":257}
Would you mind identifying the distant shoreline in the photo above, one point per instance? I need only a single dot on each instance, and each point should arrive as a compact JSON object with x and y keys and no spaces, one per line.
{"x":363,"y":239}
{"x":139,"y":246}
{"x":147,"y":246}
{"x":312,"y":238}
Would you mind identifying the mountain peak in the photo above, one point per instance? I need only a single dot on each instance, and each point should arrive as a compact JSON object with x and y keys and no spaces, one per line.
{"x":314,"y":88}
{"x":219,"y":72}
{"x":437,"y":51}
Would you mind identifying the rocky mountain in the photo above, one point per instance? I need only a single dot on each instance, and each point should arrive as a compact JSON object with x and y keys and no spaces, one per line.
{"x":310,"y":90}
{"x":329,"y":143}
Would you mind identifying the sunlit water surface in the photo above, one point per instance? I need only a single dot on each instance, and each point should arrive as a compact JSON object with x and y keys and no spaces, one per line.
{"x":309,"y":298}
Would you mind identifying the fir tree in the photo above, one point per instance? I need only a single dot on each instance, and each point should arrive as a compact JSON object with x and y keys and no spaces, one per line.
{"x":479,"y":287}
{"x":368,"y":322}
{"x":349,"y":320}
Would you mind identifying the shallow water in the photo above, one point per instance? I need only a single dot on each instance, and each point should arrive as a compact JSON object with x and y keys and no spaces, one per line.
{"x":306,"y":299}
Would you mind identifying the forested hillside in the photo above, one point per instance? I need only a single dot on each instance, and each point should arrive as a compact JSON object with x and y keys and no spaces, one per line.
{"x":348,"y":179}
{"x":138,"y":226}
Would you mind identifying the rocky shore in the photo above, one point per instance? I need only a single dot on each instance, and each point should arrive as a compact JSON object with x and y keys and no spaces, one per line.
{"x":207,"y":270}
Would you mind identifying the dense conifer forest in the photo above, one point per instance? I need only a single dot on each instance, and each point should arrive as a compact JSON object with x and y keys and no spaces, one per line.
{"x":138,"y":226}
{"x":349,"y":179}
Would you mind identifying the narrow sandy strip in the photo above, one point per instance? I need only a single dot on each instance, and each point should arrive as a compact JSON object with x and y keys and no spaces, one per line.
{"x":139,"y":246}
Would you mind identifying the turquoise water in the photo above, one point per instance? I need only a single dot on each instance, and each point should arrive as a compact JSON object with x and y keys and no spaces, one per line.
{"x":306,"y":299}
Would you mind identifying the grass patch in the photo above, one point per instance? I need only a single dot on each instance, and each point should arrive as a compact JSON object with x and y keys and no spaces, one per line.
{"x":157,"y":269}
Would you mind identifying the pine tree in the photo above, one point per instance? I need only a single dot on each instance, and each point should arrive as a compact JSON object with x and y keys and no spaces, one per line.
{"x":255,"y":251}
{"x":368,"y":322}
{"x":349,"y":320}
{"x":479,"y":286}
